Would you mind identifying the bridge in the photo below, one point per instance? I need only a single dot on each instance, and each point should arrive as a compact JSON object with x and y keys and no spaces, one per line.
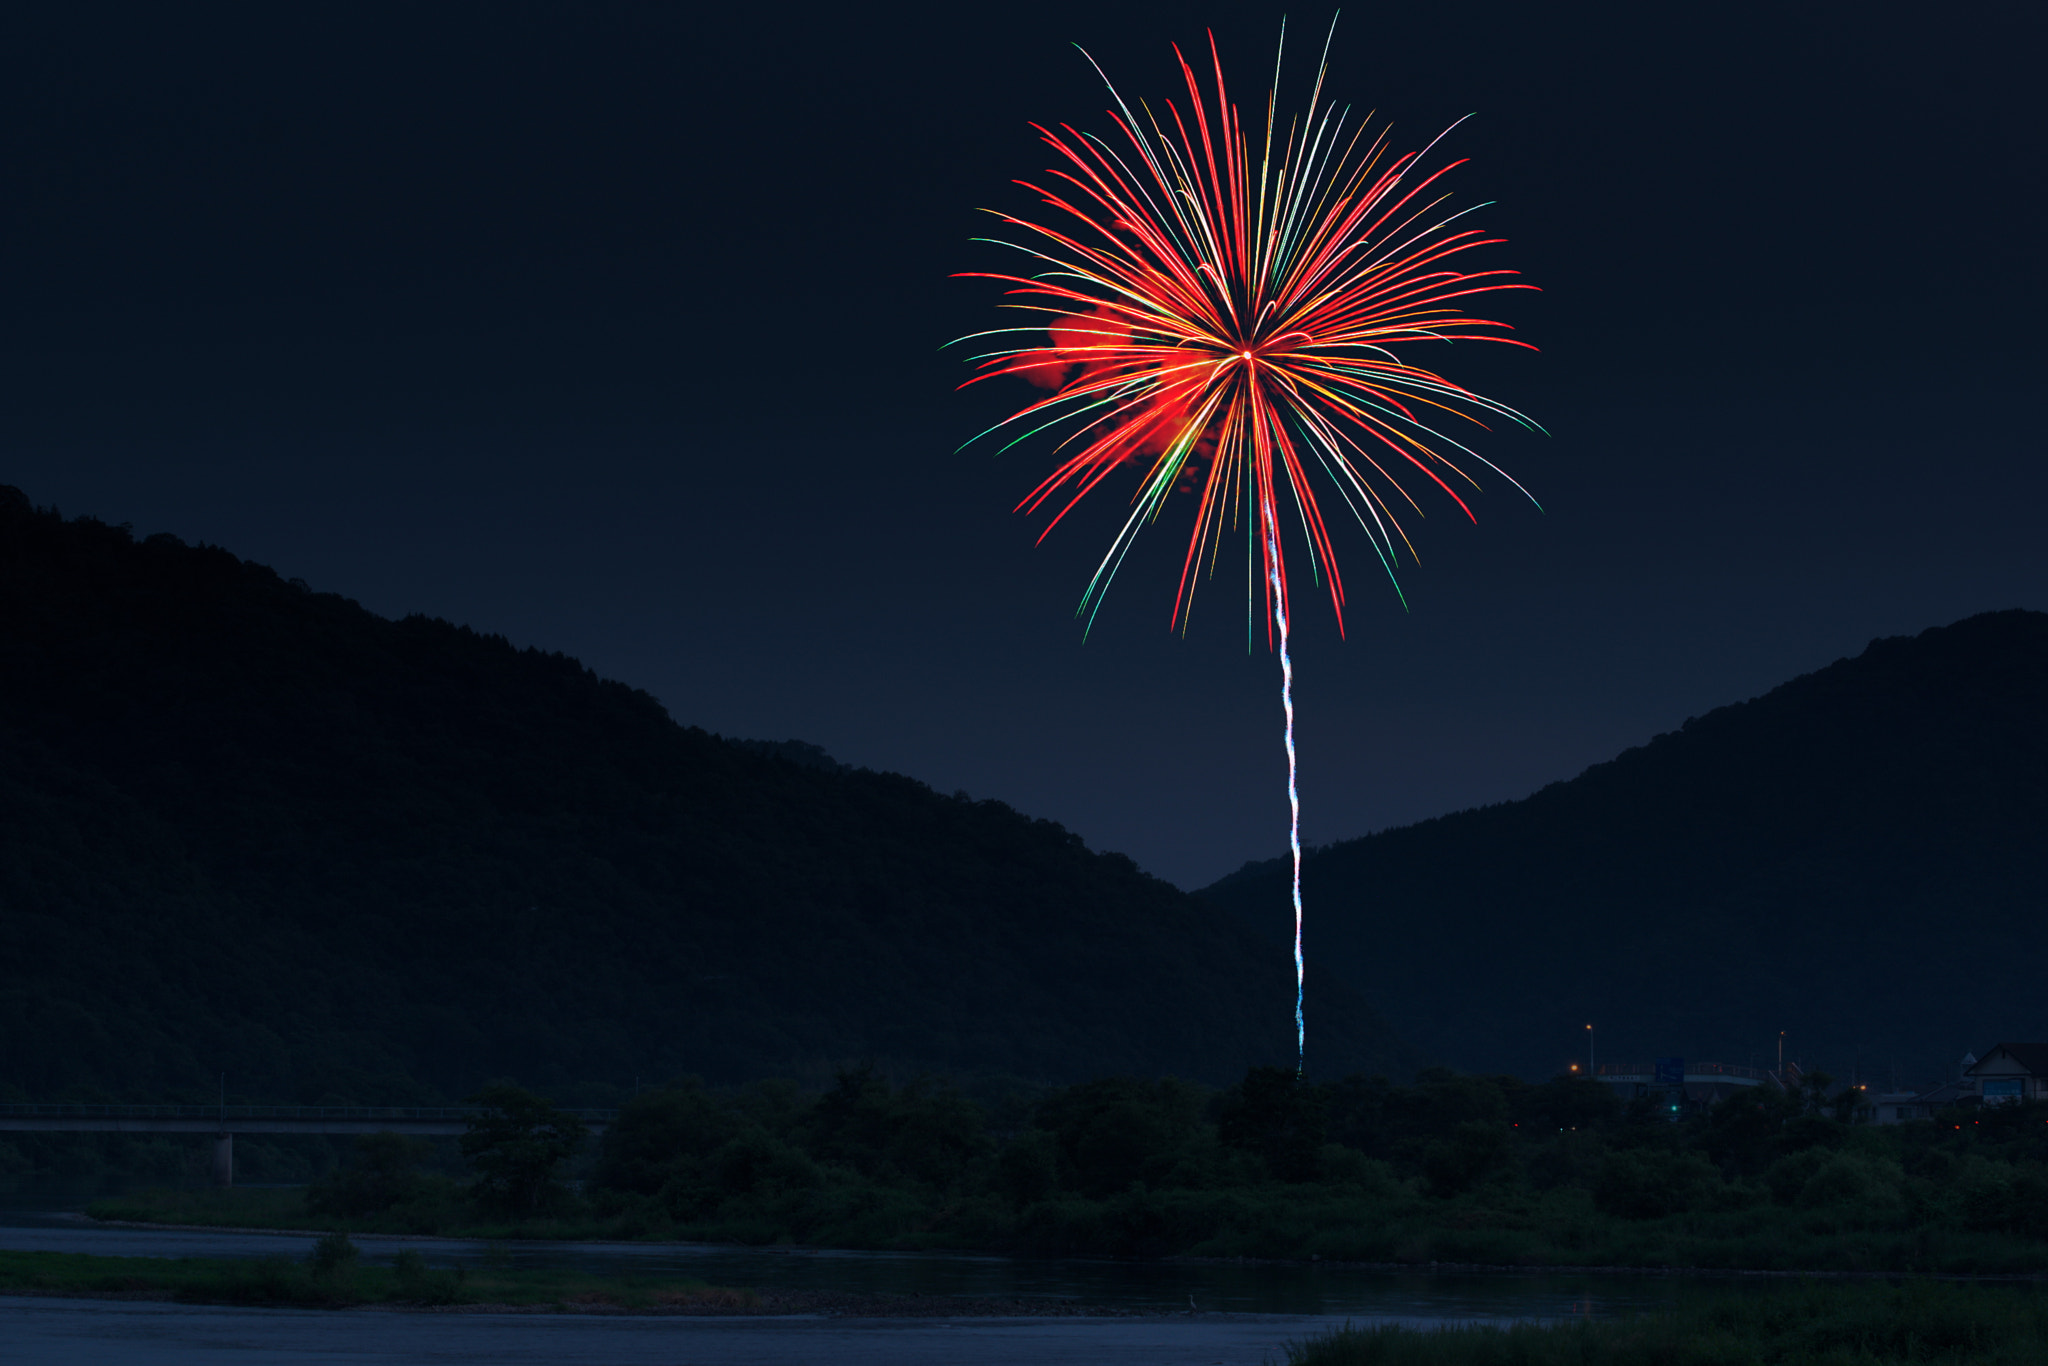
{"x":225,"y":1121}
{"x":1703,"y":1082}
{"x":1696,"y":1073}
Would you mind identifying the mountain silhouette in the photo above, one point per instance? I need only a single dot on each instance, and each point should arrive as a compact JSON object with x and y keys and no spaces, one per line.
{"x":251,"y":828}
{"x":1858,"y":858}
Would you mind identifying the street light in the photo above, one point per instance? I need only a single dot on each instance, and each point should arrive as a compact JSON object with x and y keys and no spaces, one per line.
{"x":1591,"y":1070}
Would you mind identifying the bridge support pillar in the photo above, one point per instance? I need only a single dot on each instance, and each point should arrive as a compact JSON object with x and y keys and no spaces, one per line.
{"x":224,"y":1160}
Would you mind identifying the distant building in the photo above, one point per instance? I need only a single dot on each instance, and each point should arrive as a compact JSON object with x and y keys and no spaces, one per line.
{"x":1703,"y":1082}
{"x":1898,"y":1107}
{"x":2006,"y":1075}
{"x":2009,"y":1074}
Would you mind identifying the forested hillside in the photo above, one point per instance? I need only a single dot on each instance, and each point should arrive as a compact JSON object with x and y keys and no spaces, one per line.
{"x":1858,"y":858}
{"x":251,"y":828}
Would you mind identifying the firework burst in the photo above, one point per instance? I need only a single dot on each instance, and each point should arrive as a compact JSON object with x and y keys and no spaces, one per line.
{"x":1222,"y":323}
{"x":1225,"y":316}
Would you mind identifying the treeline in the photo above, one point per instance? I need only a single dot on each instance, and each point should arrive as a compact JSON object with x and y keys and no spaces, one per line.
{"x":1453,"y":1168}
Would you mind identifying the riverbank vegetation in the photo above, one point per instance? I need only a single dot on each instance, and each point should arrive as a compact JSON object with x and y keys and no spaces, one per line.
{"x":335,"y":1275}
{"x":1806,"y":1325}
{"x":1452,"y":1169}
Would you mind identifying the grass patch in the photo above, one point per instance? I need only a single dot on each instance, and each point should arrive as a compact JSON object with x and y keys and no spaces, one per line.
{"x":335,"y":1276}
{"x":237,"y":1206}
{"x":1495,"y":1225}
{"x":1805,"y":1325}
{"x":285,"y":1209}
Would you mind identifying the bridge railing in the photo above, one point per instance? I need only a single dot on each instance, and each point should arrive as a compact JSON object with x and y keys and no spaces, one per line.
{"x":234,"y":1112}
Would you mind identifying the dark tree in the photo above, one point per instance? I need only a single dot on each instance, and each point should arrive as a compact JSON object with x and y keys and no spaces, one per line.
{"x":925,"y":1130}
{"x":383,"y":1171}
{"x":1113,"y":1132}
{"x":1272,"y":1113}
{"x":662,"y":1134}
{"x":1744,"y":1133}
{"x":516,"y":1147}
{"x":1566,"y":1102}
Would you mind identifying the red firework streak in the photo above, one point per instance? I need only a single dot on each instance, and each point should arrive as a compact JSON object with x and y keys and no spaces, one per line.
{"x":1223,"y":317}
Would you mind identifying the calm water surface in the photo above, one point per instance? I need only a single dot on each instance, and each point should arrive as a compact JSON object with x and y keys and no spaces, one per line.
{"x":1244,"y":1315}
{"x":75,"y":1333}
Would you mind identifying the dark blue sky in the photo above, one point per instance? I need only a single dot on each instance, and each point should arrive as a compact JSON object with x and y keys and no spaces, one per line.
{"x":614,"y":330}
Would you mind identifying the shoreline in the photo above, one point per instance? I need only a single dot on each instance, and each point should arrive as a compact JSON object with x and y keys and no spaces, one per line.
{"x":88,"y":1221}
{"x":1563,"y":1269}
{"x":792,"y":1305}
{"x":1428,"y":1268}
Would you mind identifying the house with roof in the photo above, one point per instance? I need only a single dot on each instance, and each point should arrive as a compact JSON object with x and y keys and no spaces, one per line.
{"x":2009,"y":1074}
{"x":2006,"y":1075}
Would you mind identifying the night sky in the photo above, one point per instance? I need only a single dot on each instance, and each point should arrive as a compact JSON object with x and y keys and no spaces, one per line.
{"x":614,"y":329}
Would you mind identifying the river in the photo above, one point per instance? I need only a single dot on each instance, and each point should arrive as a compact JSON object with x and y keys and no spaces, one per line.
{"x":1195,"y":1312}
